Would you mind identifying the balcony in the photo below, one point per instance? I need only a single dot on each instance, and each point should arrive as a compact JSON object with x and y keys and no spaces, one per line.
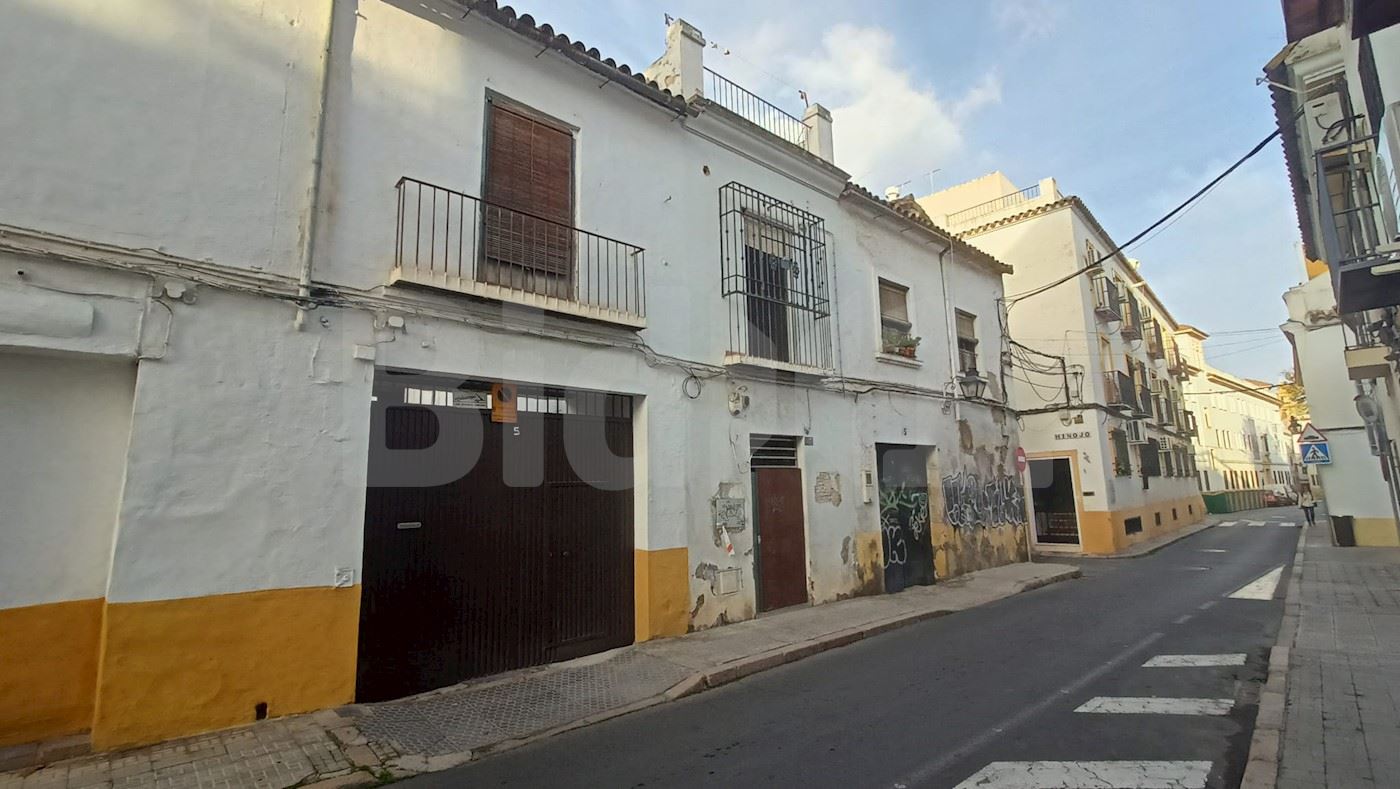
{"x":1132,"y":318}
{"x":1106,"y":299}
{"x":1360,"y":238}
{"x":452,"y":241}
{"x":1153,"y":331}
{"x":1367,"y":356}
{"x":1119,"y":391}
{"x":749,"y":106}
{"x":1175,"y":367}
{"x":1188,"y":423}
{"x":1144,"y":401}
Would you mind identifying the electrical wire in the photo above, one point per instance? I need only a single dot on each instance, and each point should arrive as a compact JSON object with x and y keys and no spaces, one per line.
{"x":1183,"y":206}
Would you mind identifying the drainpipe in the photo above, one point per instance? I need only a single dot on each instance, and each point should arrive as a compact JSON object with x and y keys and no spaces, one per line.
{"x":952,"y":331}
{"x":308,"y":242}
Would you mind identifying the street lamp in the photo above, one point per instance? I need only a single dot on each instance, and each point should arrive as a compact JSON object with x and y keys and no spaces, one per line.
{"x":973,"y":386}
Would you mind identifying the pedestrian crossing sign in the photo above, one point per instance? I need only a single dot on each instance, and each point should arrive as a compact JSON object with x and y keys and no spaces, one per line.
{"x":1319,"y":454}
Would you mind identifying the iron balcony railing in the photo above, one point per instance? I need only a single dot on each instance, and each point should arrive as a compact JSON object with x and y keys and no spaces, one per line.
{"x":452,"y":240}
{"x":992,"y":206}
{"x":774,"y":278}
{"x":749,"y":106}
{"x":1106,"y":299}
{"x":1189,"y":422}
{"x":1144,"y":401}
{"x":1174,"y":365}
{"x":1132,"y":319}
{"x":1118,"y":390}
{"x":1155,"y":347}
{"x":1357,"y":215}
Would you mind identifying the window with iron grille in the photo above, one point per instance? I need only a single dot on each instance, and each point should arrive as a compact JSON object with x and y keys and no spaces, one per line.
{"x":967,"y":341}
{"x":895,"y":327}
{"x":773,"y":277}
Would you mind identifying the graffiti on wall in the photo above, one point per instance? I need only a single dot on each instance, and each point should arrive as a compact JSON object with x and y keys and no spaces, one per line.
{"x":903,"y":520}
{"x":970,"y":502}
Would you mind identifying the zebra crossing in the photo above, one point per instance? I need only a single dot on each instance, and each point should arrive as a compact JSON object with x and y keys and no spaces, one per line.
{"x":1126,"y":773}
{"x":1251,"y":522}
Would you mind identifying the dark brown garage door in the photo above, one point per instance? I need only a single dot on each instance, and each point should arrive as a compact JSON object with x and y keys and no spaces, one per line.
{"x":492,"y":546}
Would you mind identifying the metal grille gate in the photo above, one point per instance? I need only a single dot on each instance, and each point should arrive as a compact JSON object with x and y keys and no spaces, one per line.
{"x":492,"y":546}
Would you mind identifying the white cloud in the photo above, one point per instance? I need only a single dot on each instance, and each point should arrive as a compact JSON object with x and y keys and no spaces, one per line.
{"x":1027,"y":20}
{"x":889,"y":123}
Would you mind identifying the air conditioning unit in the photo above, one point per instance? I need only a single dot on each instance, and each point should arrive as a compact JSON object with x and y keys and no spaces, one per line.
{"x":1136,"y":430}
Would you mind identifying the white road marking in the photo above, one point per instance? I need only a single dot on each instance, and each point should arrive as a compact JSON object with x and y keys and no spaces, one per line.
{"x":1287,"y":523}
{"x":1090,"y":775}
{"x":1152,"y":705}
{"x":1183,"y":619}
{"x":1207,"y":605}
{"x":1212,"y":550}
{"x":1261,"y":588}
{"x":1228,"y":523}
{"x":1177,"y":661}
{"x":928,"y":770}
{"x":1195,"y":568}
{"x":1254,"y":523}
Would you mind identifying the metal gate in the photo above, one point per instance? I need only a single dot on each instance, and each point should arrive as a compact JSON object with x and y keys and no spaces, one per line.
{"x":904,"y":516}
{"x":489,"y":545}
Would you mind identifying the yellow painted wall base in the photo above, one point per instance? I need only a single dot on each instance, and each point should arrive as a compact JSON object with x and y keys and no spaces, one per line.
{"x":961,"y":551}
{"x":48,"y":668}
{"x":1376,"y":532}
{"x":1103,"y":534}
{"x":175,"y":667}
{"x":662,"y":592}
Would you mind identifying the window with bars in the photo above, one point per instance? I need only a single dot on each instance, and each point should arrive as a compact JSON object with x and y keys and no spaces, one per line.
{"x":967,"y":341}
{"x":774,"y":278}
{"x":896,"y":329}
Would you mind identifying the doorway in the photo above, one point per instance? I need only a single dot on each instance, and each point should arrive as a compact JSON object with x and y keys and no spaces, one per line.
{"x":904,"y":518}
{"x":492,"y":542}
{"x":780,"y":535}
{"x":1052,"y":495}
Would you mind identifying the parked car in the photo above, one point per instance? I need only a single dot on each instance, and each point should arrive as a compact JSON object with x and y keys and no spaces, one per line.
{"x":1279,"y":498}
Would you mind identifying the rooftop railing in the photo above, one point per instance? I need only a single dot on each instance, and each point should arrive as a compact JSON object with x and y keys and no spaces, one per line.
{"x":749,"y":106}
{"x":992,"y":206}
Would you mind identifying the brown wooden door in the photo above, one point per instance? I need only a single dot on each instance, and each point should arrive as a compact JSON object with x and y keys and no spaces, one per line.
{"x":782,"y":542}
{"x":526,"y":558}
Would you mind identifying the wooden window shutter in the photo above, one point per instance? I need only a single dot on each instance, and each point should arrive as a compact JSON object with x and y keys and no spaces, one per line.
{"x":529,"y":194}
{"x":894,"y":304}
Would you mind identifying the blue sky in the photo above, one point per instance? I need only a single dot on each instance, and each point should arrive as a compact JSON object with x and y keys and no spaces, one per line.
{"x":1130,"y":105}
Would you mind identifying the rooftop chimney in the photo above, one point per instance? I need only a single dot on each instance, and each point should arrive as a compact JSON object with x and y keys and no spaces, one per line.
{"x":681,"y":69}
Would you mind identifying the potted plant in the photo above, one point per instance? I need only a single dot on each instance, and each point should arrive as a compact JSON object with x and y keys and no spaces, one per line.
{"x":900,"y":343}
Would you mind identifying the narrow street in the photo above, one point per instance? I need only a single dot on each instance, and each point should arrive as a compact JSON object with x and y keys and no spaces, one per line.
{"x":1055,"y":675}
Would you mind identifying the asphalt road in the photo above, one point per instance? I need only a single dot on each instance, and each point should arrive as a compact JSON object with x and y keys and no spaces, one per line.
{"x":935,"y":703}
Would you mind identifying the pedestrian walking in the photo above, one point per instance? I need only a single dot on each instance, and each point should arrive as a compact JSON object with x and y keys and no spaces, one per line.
{"x":1309,"y":505}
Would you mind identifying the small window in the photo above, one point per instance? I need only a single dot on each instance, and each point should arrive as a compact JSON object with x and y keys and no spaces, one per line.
{"x":967,"y":342}
{"x":1132,"y":525}
{"x":896,"y":334}
{"x":1122,"y":459}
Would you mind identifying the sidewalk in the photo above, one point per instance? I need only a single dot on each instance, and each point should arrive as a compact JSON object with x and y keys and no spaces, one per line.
{"x":365,"y":744}
{"x":1341,"y":723}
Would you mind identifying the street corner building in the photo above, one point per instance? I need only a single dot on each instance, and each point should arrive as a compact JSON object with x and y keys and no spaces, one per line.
{"x":1336,"y":93}
{"x":1096,"y":373}
{"x":350,"y":350}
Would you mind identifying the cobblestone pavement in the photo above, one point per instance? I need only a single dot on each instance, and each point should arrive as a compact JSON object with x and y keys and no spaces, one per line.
{"x":466,"y":718}
{"x":365,"y":744}
{"x":1342,"y":721}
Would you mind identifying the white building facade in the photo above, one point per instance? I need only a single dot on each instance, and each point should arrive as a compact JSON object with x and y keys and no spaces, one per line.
{"x":361,"y":348}
{"x":1336,"y":93}
{"x":1242,"y":442}
{"x":1093,"y":370}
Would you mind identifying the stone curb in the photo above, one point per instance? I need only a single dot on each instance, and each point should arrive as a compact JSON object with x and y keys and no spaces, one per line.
{"x":701,"y":681}
{"x":1124,"y":554}
{"x":1261,"y":771}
